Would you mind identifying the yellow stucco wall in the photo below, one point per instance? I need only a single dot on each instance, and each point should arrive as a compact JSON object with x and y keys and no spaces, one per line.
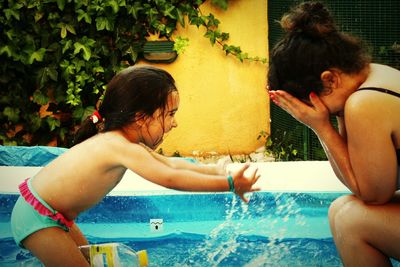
{"x":223,"y":102}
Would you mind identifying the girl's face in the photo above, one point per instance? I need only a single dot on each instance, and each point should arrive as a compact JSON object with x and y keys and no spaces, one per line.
{"x":160,"y":123}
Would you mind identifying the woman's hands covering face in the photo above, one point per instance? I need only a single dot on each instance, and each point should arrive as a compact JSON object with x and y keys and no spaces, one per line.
{"x":313,"y":114}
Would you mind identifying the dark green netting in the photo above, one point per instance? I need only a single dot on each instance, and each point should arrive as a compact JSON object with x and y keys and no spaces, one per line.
{"x":376,"y":22}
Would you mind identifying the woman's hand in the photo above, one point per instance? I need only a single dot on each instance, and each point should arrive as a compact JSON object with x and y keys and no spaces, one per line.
{"x":315,"y":114}
{"x":245,"y":184}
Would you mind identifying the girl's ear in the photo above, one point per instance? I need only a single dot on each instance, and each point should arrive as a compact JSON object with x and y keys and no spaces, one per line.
{"x":330,"y":79}
{"x":140,"y":119}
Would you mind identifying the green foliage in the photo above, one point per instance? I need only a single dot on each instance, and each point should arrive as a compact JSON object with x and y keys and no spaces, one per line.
{"x":280,"y":147}
{"x":176,"y":154}
{"x":180,"y":44}
{"x":241,"y":158}
{"x":57,"y":56}
{"x":390,"y":55}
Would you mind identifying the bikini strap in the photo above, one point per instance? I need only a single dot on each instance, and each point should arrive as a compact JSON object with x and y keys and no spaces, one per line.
{"x":383,"y":90}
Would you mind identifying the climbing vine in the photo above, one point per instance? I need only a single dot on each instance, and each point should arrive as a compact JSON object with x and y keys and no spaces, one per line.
{"x":57,"y":55}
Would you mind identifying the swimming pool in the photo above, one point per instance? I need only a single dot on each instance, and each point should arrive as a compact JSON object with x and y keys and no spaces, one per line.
{"x":275,"y":229}
{"x":285,"y":224}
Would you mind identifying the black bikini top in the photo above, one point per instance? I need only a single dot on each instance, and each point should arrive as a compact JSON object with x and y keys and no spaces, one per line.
{"x":386,"y":91}
{"x":383,"y":90}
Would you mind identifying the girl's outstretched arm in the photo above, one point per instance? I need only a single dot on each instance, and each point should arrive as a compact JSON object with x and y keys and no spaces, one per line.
{"x":219,"y":168}
{"x":140,"y":161}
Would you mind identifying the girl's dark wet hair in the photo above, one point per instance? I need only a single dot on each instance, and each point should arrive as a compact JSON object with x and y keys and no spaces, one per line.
{"x":311,"y":45}
{"x":133,"y":93}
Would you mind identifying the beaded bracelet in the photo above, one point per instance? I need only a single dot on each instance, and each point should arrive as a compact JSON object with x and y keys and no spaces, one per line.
{"x":231,"y":184}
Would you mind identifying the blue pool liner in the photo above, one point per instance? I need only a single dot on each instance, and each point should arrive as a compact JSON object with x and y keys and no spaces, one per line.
{"x":35,"y":155}
{"x":28,"y":155}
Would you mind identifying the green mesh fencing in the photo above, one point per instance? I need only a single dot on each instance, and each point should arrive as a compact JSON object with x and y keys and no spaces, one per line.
{"x":377,"y":22}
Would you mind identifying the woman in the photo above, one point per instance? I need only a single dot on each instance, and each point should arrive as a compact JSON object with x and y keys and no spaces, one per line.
{"x":316,"y":71}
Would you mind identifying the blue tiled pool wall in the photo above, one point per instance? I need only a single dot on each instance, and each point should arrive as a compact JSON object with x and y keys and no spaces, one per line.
{"x":208,"y":229}
{"x":229,"y":242}
{"x":194,"y":207}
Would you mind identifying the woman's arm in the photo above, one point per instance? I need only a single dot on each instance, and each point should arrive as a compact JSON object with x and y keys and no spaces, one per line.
{"x":316,"y":116}
{"x":343,"y":135}
{"x":371,"y":123}
{"x":350,"y":153}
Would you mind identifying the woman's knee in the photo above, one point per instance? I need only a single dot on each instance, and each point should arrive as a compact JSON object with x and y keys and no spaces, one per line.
{"x":338,"y":204}
{"x":343,"y":211}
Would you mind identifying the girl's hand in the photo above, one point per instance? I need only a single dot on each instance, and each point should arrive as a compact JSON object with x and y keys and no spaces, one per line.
{"x":315,"y":115}
{"x":245,"y":184}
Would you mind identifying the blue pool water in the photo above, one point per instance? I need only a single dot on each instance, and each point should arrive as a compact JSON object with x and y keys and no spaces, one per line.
{"x":275,"y":229}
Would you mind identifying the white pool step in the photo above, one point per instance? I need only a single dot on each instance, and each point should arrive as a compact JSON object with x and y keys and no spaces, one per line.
{"x":296,"y":176}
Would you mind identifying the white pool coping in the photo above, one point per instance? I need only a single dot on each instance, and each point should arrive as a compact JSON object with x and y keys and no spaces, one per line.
{"x":296,"y":176}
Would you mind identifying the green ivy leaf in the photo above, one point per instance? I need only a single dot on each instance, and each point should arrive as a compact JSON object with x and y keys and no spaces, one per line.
{"x":39,"y":98}
{"x":220,"y":3}
{"x":53,"y":123}
{"x":114,"y":5}
{"x":212,"y":35}
{"x":11,"y":13}
{"x":105,"y":23}
{"x":180,"y":17}
{"x":83,"y":15}
{"x":12,"y":114}
{"x":63,"y":32}
{"x":61,"y":4}
{"x":86,"y":50}
{"x":198,"y":21}
{"x":70,"y":28}
{"x":45,"y":73}
{"x":82,"y":78}
{"x":152,"y":13}
{"x":7,"y":50}
{"x":212,"y":21}
{"x":81,"y":113}
{"x":52,"y":73}
{"x":66,"y":28}
{"x":10,"y":34}
{"x":135,"y":9}
{"x":35,"y":121}
{"x":38,"y":16}
{"x":132,"y":53}
{"x":181,"y":44}
{"x":67,"y":45}
{"x":37,"y":55}
{"x":169,"y":12}
{"x":78,"y":64}
{"x":224,"y":36}
{"x":97,"y":69}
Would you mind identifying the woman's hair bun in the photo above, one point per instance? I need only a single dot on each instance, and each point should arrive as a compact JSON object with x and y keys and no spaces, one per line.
{"x":311,"y":18}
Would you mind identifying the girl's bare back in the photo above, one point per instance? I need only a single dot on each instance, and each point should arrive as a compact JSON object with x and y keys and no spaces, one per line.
{"x":83,"y":175}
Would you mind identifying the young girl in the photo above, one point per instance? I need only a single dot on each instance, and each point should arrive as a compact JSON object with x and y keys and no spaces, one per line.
{"x":139,"y":107}
{"x":316,"y":70}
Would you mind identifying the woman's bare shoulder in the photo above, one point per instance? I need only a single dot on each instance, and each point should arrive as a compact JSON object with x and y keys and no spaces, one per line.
{"x":383,"y":76}
{"x":367,"y":105}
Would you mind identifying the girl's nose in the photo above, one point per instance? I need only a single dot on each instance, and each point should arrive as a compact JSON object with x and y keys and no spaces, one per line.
{"x":174,"y":123}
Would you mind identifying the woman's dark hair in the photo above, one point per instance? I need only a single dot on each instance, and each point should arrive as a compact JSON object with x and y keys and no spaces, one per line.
{"x":312,"y":44}
{"x":133,"y":93}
